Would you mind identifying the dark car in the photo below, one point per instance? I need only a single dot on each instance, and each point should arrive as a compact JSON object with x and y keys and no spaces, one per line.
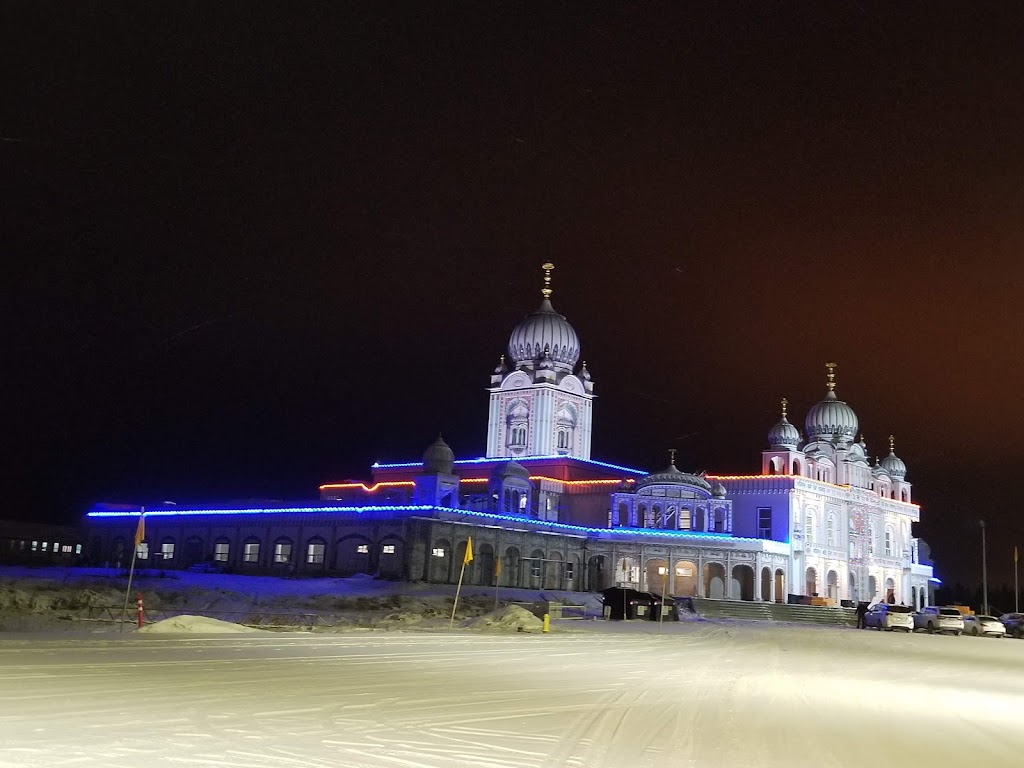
{"x":1014,"y":623}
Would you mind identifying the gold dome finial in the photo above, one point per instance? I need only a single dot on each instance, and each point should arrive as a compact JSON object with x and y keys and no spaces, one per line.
{"x":831,"y":376}
{"x":892,"y":441}
{"x":546,"y":291}
{"x":785,"y":402}
{"x":672,"y":456}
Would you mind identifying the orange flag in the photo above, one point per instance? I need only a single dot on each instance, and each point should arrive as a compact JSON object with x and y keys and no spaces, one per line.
{"x":469,"y":551}
{"x":140,"y":532}
{"x":497,"y":566}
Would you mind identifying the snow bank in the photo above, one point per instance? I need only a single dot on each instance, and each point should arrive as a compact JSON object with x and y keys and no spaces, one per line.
{"x":195,"y":624}
{"x":512,"y":617}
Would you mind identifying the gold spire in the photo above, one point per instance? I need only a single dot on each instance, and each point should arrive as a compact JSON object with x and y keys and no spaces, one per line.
{"x":546,"y":291}
{"x":672,"y":456}
{"x":892,"y":440}
{"x":785,"y":402}
{"x":831,"y":376}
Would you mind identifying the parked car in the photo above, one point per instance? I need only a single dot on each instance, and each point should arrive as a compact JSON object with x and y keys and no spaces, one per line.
{"x":932,"y":618}
{"x":984,"y":625}
{"x":1013,"y":623}
{"x":889,"y":617}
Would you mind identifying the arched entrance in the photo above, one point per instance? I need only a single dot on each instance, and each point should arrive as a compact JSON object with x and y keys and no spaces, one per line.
{"x":596,"y":574}
{"x":810,"y":582}
{"x":766,"y":584}
{"x":460,"y":556}
{"x":510,"y":568}
{"x":352,"y":555}
{"x":440,"y":558}
{"x":780,"y":585}
{"x":485,"y":565}
{"x":913,"y":596}
{"x":714,"y":581}
{"x":832,"y":582}
{"x":685,"y":579}
{"x":742,"y":582}
{"x":655,"y":574}
{"x":627,"y":573}
{"x":890,"y":591}
{"x":854,"y":592}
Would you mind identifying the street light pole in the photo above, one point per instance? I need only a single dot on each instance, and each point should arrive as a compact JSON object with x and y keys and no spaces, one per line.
{"x":984,"y":572}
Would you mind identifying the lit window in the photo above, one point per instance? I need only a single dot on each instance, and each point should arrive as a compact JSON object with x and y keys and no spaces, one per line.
{"x":363,"y":549}
{"x":315,"y":553}
{"x":888,"y":542}
{"x":66,"y":548}
{"x":35,"y":545}
{"x":535,"y":568}
{"x":388,"y":549}
{"x":522,"y":502}
{"x":142,"y":551}
{"x":220,"y":551}
{"x":167,"y":550}
{"x":685,"y":519}
{"x":437,"y":552}
{"x":569,"y":571}
{"x":46,"y":546}
{"x":251,"y":552}
{"x":282,"y":552}
{"x":78,"y":549}
{"x":56,"y":546}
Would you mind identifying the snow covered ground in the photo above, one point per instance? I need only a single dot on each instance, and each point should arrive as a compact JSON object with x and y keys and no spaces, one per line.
{"x":590,"y":693}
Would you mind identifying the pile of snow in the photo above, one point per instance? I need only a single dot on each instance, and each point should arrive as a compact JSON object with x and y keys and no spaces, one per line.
{"x":511,"y":617}
{"x":195,"y":624}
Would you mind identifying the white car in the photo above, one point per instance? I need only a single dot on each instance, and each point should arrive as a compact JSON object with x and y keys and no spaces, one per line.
{"x":889,"y":617}
{"x":984,"y":625}
{"x":932,"y":618}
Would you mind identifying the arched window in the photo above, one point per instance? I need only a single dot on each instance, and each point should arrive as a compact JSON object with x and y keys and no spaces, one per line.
{"x":871,"y":539}
{"x":641,"y":516}
{"x":809,"y":527}
{"x":831,"y":530}
{"x":657,"y":520}
{"x":888,"y":541}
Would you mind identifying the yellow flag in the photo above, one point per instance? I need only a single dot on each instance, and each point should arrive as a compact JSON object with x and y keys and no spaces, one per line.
{"x":497,"y":566}
{"x":140,"y":532}
{"x":469,"y":551}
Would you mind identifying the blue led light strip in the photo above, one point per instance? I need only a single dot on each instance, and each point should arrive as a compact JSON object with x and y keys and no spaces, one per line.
{"x":519,"y":460}
{"x":536,"y":524}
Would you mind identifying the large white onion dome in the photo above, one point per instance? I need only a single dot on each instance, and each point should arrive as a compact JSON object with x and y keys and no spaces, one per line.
{"x":672,"y":475}
{"x":831,"y":419}
{"x":544,"y":331}
{"x":784,"y":435}
{"x":439,"y":459}
{"x":893,"y":464}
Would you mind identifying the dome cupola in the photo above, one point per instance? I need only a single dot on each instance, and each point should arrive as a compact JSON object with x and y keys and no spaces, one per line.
{"x":784,"y":436}
{"x":672,"y":475}
{"x":544,"y":333}
{"x":831,"y":420}
{"x":893,"y":464}
{"x":439,"y":459}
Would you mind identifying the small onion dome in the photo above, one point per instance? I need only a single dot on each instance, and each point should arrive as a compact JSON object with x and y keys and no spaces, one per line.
{"x":511,"y":469}
{"x":718,"y":491}
{"x":893,"y":464}
{"x":784,"y":435}
{"x":439,"y":459}
{"x":673,"y":476}
{"x":856,"y":452}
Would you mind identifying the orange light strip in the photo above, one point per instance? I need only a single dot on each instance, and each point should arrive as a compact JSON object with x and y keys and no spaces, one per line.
{"x":367,"y":488}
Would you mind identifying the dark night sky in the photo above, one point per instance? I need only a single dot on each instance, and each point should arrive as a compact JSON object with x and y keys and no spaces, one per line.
{"x":254,"y":248}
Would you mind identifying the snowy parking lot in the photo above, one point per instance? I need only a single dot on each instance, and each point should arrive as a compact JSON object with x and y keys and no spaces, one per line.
{"x":588,"y":694}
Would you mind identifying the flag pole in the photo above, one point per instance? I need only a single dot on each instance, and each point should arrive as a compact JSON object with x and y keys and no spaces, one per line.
{"x":1016,"y":589}
{"x":664,"y":588}
{"x":465,"y":560}
{"x":497,"y":578}
{"x":140,"y":533}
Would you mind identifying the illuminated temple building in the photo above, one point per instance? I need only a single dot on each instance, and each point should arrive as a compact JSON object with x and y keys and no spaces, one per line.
{"x":819,"y":519}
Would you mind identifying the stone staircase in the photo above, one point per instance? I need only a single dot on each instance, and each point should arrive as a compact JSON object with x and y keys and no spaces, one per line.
{"x":753,"y":611}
